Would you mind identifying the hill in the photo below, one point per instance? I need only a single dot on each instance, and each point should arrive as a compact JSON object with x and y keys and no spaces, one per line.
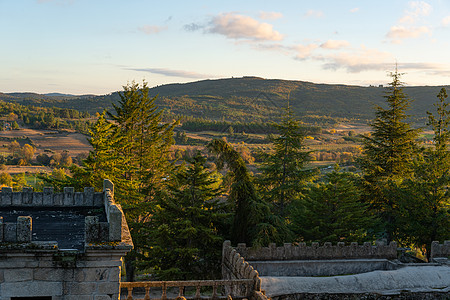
{"x":252,"y":99}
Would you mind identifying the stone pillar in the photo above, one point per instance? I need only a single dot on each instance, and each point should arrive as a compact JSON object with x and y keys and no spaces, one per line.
{"x":6,"y":196}
{"x":24,"y":229}
{"x":107,"y":184}
{"x":115,"y":223}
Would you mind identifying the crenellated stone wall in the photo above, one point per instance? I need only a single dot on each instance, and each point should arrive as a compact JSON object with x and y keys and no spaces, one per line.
{"x":33,"y":268}
{"x":440,"y":250}
{"x":319,"y":252}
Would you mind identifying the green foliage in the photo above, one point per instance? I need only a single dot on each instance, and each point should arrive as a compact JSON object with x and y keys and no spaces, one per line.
{"x":424,"y":205}
{"x":333,"y":211}
{"x":283,"y":173}
{"x":388,"y":154}
{"x":185,"y":240}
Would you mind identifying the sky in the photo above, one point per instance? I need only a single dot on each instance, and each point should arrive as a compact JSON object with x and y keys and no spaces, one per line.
{"x":98,"y":46}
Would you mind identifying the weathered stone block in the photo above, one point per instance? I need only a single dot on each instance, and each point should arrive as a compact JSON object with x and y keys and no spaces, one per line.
{"x":108,"y":287}
{"x":68,"y":196}
{"x":98,"y":199}
{"x":38,"y":198}
{"x":82,"y":288}
{"x":96,"y":274}
{"x":10,"y":232}
{"x":58,"y":199}
{"x":115,"y":223}
{"x":103,"y":231}
{"x":108,"y":185}
{"x":31,"y":288}
{"x":1,"y":229}
{"x":17,"y":198}
{"x":6,"y":196}
{"x":47,"y":196}
{"x":80,"y":297}
{"x":18,"y":275}
{"x":24,"y":229}
{"x":27,"y":196}
{"x":48,"y":274}
{"x":104,"y":297}
{"x":91,"y":229}
{"x":88,"y":199}
{"x":78,"y":199}
{"x":114,"y":274}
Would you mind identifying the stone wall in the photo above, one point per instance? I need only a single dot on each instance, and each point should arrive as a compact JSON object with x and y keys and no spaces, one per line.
{"x":235,"y":267}
{"x":31,"y":268}
{"x":319,"y":252}
{"x":440,"y":250}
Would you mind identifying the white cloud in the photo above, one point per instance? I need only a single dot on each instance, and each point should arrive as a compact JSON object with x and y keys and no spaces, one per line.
{"x":353,"y":10}
{"x":359,"y":60}
{"x":398,"y":33}
{"x":446,"y":21}
{"x":419,"y":8}
{"x":314,"y":13}
{"x":235,"y":26}
{"x":334,"y":44}
{"x":270,"y":15}
{"x":151,"y":29}
{"x":304,"y":51}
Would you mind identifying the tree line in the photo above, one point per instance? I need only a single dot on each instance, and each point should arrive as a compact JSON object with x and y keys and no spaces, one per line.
{"x":179,"y":212}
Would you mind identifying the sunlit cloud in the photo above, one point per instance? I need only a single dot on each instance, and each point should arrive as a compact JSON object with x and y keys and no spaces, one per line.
{"x":151,"y":29}
{"x":234,"y":26}
{"x":304,"y":51}
{"x":359,"y":60}
{"x":397,"y":33}
{"x":173,"y":73}
{"x":334,"y":44}
{"x":419,"y":8}
{"x":353,"y":10}
{"x":314,"y":13}
{"x":446,"y":21}
{"x":270,"y":15}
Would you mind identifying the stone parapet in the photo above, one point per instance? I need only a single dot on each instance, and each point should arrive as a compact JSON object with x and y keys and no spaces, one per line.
{"x":317,"y":252}
{"x":440,"y":250}
{"x":48,"y":198}
{"x":18,"y":232}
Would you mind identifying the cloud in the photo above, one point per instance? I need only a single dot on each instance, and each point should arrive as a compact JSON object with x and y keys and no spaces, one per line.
{"x":419,"y":8}
{"x":151,"y":29}
{"x":314,"y":13}
{"x":359,"y":60}
{"x":173,"y":73}
{"x":446,"y":21}
{"x":304,"y":51}
{"x":353,"y":10}
{"x":335,"y":44}
{"x":236,"y":26}
{"x":193,"y":27}
{"x":271,"y":15}
{"x":397,"y":33}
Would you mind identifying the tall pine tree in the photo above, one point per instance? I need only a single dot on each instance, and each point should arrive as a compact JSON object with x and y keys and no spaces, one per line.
{"x":388,"y":154}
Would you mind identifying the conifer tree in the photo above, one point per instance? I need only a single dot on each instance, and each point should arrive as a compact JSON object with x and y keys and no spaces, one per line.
{"x":424,"y":212}
{"x":185,"y":240}
{"x":332,"y":211}
{"x":283,"y":172}
{"x":388,"y":154}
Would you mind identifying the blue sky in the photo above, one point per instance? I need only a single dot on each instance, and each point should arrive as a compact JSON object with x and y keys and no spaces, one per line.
{"x":97,"y":46}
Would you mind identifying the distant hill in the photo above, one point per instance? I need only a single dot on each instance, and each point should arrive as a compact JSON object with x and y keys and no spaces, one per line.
{"x":251,"y":99}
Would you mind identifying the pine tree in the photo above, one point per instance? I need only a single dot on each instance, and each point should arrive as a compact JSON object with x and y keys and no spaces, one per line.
{"x":333,"y":211}
{"x":388,"y":154}
{"x":283,"y":172}
{"x":253,"y":221}
{"x":424,"y":212}
{"x":185,"y":238}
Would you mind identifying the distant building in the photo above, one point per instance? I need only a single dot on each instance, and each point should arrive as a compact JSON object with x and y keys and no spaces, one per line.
{"x":61,"y":246}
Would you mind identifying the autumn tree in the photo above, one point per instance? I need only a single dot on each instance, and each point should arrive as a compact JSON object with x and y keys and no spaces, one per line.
{"x":388,"y":154}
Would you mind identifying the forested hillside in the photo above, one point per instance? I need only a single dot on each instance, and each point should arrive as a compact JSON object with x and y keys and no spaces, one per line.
{"x":251,"y":99}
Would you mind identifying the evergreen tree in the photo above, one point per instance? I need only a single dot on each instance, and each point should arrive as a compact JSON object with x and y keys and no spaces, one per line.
{"x":253,"y":222}
{"x":185,"y":241}
{"x":424,"y":210}
{"x":333,"y":211}
{"x":388,"y":154}
{"x":283,"y":171}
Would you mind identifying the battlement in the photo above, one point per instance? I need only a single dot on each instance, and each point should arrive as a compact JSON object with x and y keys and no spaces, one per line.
{"x":440,"y":250}
{"x":317,"y":252}
{"x":75,"y":219}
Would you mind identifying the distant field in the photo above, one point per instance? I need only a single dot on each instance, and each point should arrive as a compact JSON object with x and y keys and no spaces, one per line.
{"x":75,"y":143}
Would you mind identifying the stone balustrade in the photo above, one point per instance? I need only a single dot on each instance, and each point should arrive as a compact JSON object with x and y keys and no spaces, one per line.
{"x":218,"y":289}
{"x":317,"y":252}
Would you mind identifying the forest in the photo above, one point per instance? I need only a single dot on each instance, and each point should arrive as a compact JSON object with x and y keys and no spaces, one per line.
{"x":181,"y":209}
